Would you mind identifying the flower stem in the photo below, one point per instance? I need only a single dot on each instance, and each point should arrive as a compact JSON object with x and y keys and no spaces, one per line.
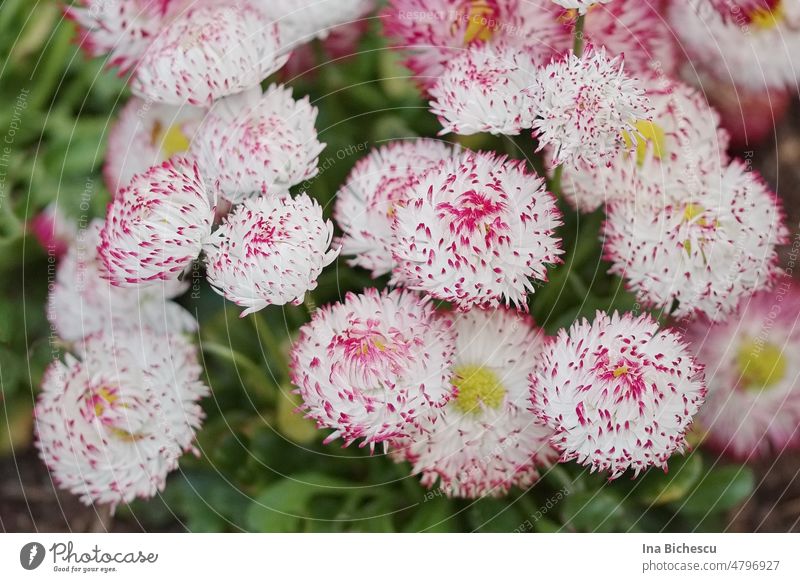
{"x":578,"y":41}
{"x":273,"y":348}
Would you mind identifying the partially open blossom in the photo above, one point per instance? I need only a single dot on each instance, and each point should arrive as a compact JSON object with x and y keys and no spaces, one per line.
{"x":269,"y":251}
{"x":486,"y":441}
{"x":207,"y":52}
{"x":433,"y":32}
{"x":753,"y":405}
{"x":704,"y":245}
{"x":144,"y":135}
{"x":483,"y":90}
{"x":123,"y":29}
{"x":475,"y":231}
{"x":583,"y":106}
{"x":111,"y":425}
{"x":82,"y":302}
{"x":374,"y":366}
{"x":54,"y":232}
{"x":619,"y":393}
{"x":156,"y":226}
{"x":301,"y":21}
{"x":756,"y":49}
{"x":378,"y":184}
{"x":254,"y":143}
{"x":682,"y":139}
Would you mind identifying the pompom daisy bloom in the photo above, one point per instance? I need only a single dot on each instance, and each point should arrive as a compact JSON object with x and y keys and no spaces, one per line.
{"x":631,"y":29}
{"x":254,"y":143}
{"x":435,"y":31}
{"x":486,"y":441}
{"x":269,"y":251}
{"x":374,"y":366}
{"x":82,"y":302}
{"x":705,"y":246}
{"x":146,"y":134}
{"x":157,"y":225}
{"x":683,"y":139}
{"x":54,"y":232}
{"x":112,"y":425}
{"x":583,"y":106}
{"x":755,"y":49}
{"x":123,"y":29}
{"x":367,"y":202}
{"x":209,"y":52}
{"x":475,"y":231}
{"x":483,"y":90}
{"x":302,"y":21}
{"x":753,"y":404}
{"x":744,"y":11}
{"x":619,"y":393}
{"x":580,"y":6}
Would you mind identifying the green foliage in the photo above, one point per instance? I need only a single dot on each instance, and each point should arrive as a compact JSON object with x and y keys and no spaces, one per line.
{"x":260,"y":467}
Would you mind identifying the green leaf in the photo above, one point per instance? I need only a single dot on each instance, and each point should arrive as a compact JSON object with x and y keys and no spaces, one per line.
{"x":434,"y":515}
{"x":599,"y":511}
{"x":720,"y":490}
{"x":658,"y":487}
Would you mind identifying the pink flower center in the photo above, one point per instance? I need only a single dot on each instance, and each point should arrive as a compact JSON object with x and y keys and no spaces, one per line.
{"x":473,"y":212}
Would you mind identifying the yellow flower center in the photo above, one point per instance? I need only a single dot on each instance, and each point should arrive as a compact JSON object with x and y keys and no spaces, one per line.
{"x":647,"y":133}
{"x":104,"y":397}
{"x":477,"y":387}
{"x":621,"y":371}
{"x":479,"y":22}
{"x":767,"y":18}
{"x":761,"y":365}
{"x":171,"y":141}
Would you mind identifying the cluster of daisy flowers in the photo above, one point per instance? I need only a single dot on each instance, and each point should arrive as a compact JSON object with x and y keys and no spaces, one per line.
{"x":444,"y":369}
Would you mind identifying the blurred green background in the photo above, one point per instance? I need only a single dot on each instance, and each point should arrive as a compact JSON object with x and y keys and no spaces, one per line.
{"x":263,"y":468}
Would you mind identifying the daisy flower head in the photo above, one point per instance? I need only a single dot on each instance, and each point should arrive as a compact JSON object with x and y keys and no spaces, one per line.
{"x":253,"y":143}
{"x":53,"y":231}
{"x":378,"y":184}
{"x":156,"y":225}
{"x":704,"y":246}
{"x":580,"y":6}
{"x":583,"y":106}
{"x":754,"y":47}
{"x":208,"y":52}
{"x":122,"y":30}
{"x":373,"y":367}
{"x":486,"y":441}
{"x":476,"y":231}
{"x":619,"y":393}
{"x":301,"y":21}
{"x":433,"y":32}
{"x":146,"y":134}
{"x":111,"y":425}
{"x":753,"y":405}
{"x":269,"y":251}
{"x":82,"y":302}
{"x":683,"y":139}
{"x":483,"y":90}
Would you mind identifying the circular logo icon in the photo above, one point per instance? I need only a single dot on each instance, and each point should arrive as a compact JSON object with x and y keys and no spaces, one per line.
{"x":31,"y":555}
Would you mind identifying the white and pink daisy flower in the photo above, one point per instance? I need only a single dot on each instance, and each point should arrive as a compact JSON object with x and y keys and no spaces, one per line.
{"x":122,"y":29}
{"x":146,"y":134}
{"x":619,"y":393}
{"x":302,"y":21}
{"x":704,"y":246}
{"x":253,"y":143}
{"x":683,"y":139}
{"x":373,"y":367}
{"x":156,"y":226}
{"x":82,"y":302}
{"x":111,"y":425}
{"x":483,"y":90}
{"x":486,"y":440}
{"x":754,"y":48}
{"x":54,"y":232}
{"x":433,"y":32}
{"x":269,"y":251}
{"x":367,"y":202}
{"x":208,"y":52}
{"x":583,"y":106}
{"x":476,"y":231}
{"x":753,"y":405}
